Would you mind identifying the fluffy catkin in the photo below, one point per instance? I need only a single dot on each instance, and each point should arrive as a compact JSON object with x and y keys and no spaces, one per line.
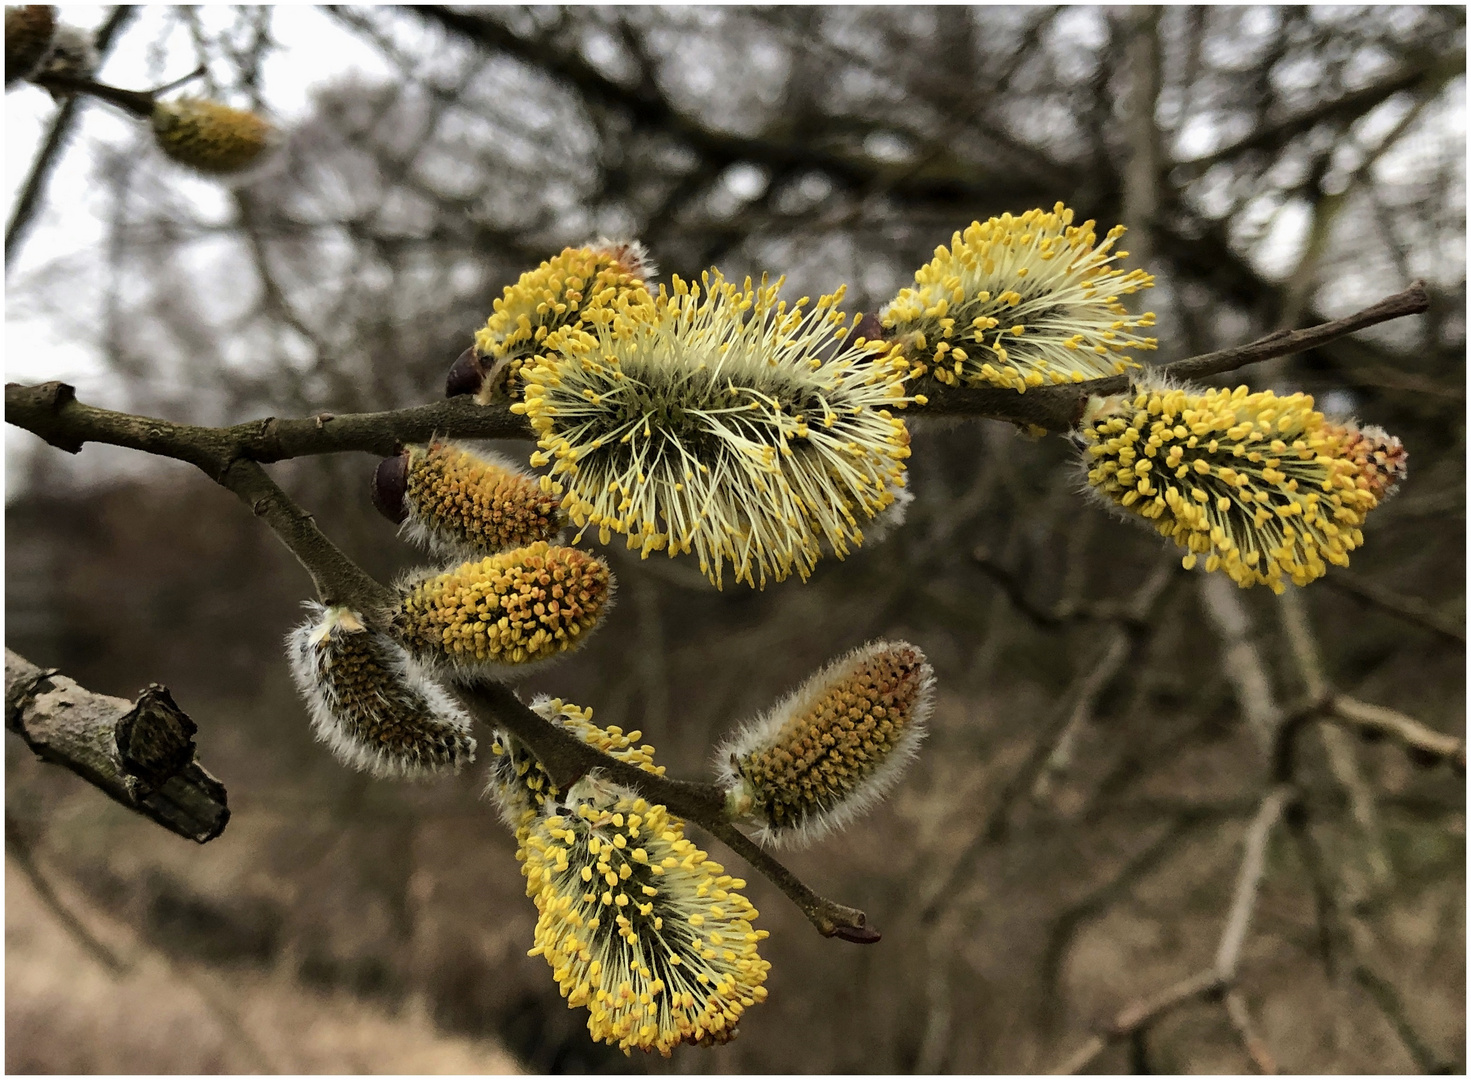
{"x":833,"y":748}
{"x":370,"y":704}
{"x":638,"y":925}
{"x":1264,"y":486}
{"x":1020,"y":302}
{"x":504,"y":611}
{"x":460,"y":502}
{"x":572,"y":292}
{"x":210,"y":137}
{"x":728,"y":424}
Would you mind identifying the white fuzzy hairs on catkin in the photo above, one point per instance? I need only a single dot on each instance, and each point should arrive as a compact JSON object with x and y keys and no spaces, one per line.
{"x":421,"y":730}
{"x":763,"y":732}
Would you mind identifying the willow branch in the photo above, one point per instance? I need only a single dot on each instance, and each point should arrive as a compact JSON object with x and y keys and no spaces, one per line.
{"x":567,"y":758}
{"x":1424,"y":744}
{"x":139,"y":753}
{"x":1058,"y":408}
{"x":52,"y":412}
{"x":1220,"y":977}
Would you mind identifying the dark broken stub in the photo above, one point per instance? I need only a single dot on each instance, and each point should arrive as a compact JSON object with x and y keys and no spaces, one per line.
{"x":390,"y":485}
{"x":858,"y":935}
{"x":465,"y":375}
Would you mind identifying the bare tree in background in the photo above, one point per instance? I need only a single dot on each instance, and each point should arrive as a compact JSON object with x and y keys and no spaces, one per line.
{"x":1159,"y":825}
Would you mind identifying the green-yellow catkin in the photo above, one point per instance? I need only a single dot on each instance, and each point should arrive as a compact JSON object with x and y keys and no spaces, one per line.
{"x":464,"y":503}
{"x":1020,"y":302}
{"x":376,"y":711}
{"x":833,"y":748}
{"x":523,"y":789}
{"x":506,"y":610}
{"x":728,"y":424}
{"x":572,"y":292}
{"x":1265,"y":487}
{"x":639,"y":925}
{"x":29,"y":30}
{"x":210,"y":137}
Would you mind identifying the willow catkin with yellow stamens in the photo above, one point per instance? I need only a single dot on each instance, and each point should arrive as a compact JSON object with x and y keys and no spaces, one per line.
{"x":639,"y":925}
{"x":504,"y":611}
{"x":376,"y":711}
{"x":1264,"y":486}
{"x":728,"y":425}
{"x":833,"y":748}
{"x":572,"y":292}
{"x":210,"y":137}
{"x":1019,"y":302}
{"x":459,"y":502}
{"x":521,"y":787}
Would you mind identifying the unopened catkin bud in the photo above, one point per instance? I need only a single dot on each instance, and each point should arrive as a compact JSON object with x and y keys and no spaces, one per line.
{"x":504,"y":611}
{"x":29,"y":30}
{"x":459,"y":502}
{"x":372,"y":706}
{"x":210,"y":137}
{"x":831,"y":750}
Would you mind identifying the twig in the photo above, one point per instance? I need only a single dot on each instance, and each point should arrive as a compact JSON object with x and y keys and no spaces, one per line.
{"x":1422,"y":742}
{"x":52,"y":411}
{"x":1409,"y":608}
{"x":1256,"y":1049}
{"x":1384,"y":995}
{"x":1249,"y":882}
{"x":141,"y":754}
{"x":566,"y":758}
{"x":18,"y":847}
{"x":1058,"y":408}
{"x":1140,"y":1015}
{"x":1221,"y":975}
{"x":29,"y":200}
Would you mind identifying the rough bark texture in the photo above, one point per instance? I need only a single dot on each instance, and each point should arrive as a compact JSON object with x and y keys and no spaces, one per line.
{"x":140,"y":753}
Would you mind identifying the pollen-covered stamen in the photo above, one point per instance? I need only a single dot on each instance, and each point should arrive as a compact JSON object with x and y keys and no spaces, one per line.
{"x":461,"y":502}
{"x":829,"y":751}
{"x":515,"y":608}
{"x":524,"y":790}
{"x":210,"y":137}
{"x":373,"y":708}
{"x":1020,"y":302}
{"x":573,"y":292}
{"x":639,"y":925}
{"x":729,"y":425}
{"x":1263,"y":486}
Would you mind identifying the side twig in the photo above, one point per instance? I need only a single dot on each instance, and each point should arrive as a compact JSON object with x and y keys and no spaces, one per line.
{"x":139,"y":753}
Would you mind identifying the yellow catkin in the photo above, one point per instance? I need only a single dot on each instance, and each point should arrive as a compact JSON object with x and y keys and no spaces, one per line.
{"x":1020,"y":302}
{"x":210,"y":137}
{"x":463,"y":502}
{"x":834,"y":747}
{"x":638,"y":925}
{"x":514,"y":608}
{"x":29,"y":30}
{"x":1265,"y":487}
{"x":575,"y":291}
{"x":727,"y":426}
{"x":522,"y":788}
{"x":375,"y":711}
